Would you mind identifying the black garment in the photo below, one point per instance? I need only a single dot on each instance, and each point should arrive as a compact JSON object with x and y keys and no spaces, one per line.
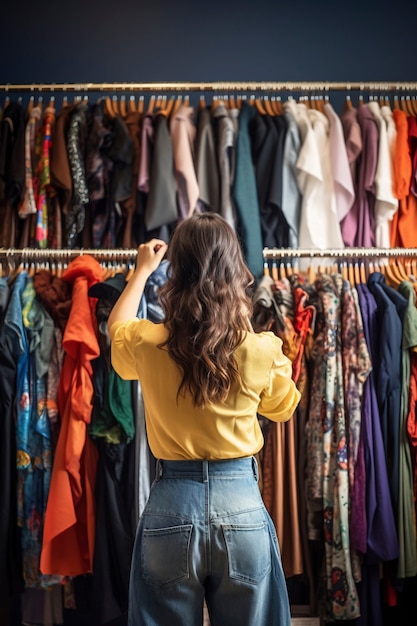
{"x":11,"y":577}
{"x":12,"y":152}
{"x":268,"y":138}
{"x":12,"y":172}
{"x":115,"y":534}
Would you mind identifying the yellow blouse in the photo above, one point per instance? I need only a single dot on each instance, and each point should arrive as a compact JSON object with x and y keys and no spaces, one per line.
{"x":176,"y":429}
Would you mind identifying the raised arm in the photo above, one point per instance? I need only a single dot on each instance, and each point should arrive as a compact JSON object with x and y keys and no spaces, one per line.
{"x":150,"y":255}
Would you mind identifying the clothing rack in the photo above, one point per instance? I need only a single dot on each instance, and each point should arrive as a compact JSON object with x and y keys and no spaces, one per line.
{"x":268,"y":253}
{"x":340,"y":253}
{"x":212,"y":86}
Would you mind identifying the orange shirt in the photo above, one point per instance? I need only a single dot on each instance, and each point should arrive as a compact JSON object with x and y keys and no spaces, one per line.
{"x":403,"y":218}
{"x":69,"y":530}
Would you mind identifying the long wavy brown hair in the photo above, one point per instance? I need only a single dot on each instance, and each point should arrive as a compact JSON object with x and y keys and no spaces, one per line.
{"x":207,"y":304}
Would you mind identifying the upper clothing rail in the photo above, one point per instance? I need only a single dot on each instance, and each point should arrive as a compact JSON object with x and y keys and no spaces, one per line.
{"x":249,"y":86}
{"x":340,"y":253}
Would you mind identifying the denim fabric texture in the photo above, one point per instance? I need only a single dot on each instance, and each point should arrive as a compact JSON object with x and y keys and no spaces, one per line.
{"x":205,"y":534}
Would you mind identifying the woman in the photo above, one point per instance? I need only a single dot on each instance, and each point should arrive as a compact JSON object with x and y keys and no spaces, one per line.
{"x":204,"y":373}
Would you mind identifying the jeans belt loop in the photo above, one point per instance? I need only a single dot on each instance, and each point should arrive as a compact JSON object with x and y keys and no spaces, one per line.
{"x":205,"y":471}
{"x":255,"y":469}
{"x":159,"y":469}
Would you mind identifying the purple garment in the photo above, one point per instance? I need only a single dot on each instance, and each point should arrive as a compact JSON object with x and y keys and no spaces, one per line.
{"x":146,"y":142}
{"x":382,"y":542}
{"x":358,"y":227}
{"x":382,"y":535}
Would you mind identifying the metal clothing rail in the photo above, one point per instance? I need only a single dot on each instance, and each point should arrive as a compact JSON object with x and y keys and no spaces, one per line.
{"x":110,"y":254}
{"x":213,"y":86}
{"x":338,"y":253}
{"x":67,"y":253}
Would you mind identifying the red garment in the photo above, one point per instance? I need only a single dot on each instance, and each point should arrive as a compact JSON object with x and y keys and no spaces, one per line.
{"x":402,"y":180}
{"x":412,"y":421}
{"x":69,"y":531}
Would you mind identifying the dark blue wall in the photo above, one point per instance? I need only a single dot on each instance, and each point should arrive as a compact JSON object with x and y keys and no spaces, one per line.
{"x":184,"y":40}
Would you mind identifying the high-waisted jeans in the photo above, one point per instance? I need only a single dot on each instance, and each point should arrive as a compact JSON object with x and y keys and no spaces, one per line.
{"x":205,"y":534}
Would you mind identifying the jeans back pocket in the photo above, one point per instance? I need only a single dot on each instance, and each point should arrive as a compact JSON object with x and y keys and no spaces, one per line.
{"x":248,"y":551}
{"x":165,"y":554}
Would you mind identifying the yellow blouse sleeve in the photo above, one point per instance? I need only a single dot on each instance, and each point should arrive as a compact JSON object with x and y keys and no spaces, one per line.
{"x":280,"y":396}
{"x":124,"y":339}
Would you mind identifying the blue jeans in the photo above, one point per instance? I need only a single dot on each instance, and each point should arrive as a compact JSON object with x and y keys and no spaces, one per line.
{"x":205,"y":534}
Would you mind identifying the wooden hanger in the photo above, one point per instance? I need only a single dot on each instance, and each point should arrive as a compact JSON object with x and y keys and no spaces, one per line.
{"x":122,"y":107}
{"x":268,"y":107}
{"x":108,"y":107}
{"x":141,"y":104}
{"x":52,"y":102}
{"x":151,"y":104}
{"x":176,"y":106}
{"x":351,"y":273}
{"x":391,"y":274}
{"x":276,"y":105}
{"x":348,"y":103}
{"x":311,"y":274}
{"x":215,"y":102}
{"x":132,"y":104}
{"x":167,"y":109}
{"x":274,"y":271}
{"x":403,"y":105}
{"x":30,"y":105}
{"x":259,"y":106}
{"x":362,"y":273}
{"x":232,"y":103}
{"x":158,"y":103}
{"x":396,"y":103}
